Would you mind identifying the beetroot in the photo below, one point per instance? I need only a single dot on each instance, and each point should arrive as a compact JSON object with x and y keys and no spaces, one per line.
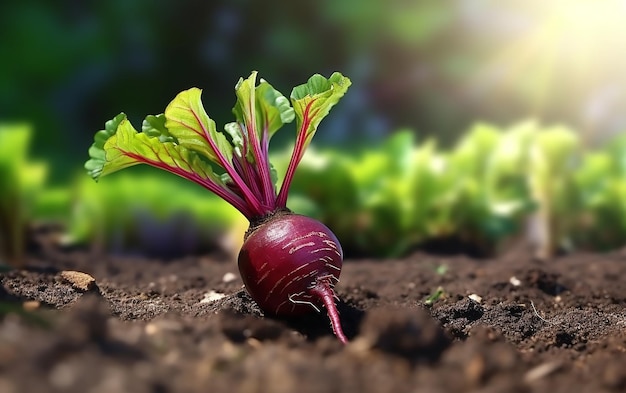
{"x":289,"y":263}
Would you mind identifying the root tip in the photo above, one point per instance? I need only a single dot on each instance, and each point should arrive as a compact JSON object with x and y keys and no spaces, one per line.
{"x":325,"y":293}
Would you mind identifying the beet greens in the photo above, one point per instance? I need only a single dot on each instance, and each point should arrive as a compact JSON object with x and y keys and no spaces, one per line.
{"x":289,"y":263}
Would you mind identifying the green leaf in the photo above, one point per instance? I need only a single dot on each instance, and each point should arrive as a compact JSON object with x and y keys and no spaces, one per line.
{"x":273,"y":174}
{"x":96,"y":151}
{"x":313,"y":100}
{"x":126,"y":147}
{"x":245,"y":111}
{"x":234,"y":130}
{"x":311,"y":103}
{"x":260,"y":112}
{"x":473,"y":150}
{"x":435,"y":296}
{"x":154,"y":126}
{"x":262,"y":108}
{"x":248,"y":128}
{"x":188,"y":122}
{"x":245,"y":91}
{"x":274,"y":107}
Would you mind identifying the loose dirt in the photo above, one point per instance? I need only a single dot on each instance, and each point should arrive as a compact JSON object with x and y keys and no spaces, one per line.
{"x":425,"y":323}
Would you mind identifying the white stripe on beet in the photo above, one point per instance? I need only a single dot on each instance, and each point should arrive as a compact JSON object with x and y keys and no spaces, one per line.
{"x":300,"y":246}
{"x":298,"y":238}
{"x":326,"y":249}
{"x":284,"y":277}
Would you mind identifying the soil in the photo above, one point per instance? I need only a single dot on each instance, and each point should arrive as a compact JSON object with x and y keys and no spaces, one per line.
{"x":424,"y":323}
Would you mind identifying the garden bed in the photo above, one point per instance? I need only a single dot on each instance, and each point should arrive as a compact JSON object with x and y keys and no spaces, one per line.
{"x":510,"y":324}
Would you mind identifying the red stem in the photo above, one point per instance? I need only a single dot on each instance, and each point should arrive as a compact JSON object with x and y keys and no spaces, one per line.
{"x":260,"y":159}
{"x":296,"y":156}
{"x":249,"y":197}
{"x":218,"y":190}
{"x":326,"y":294}
{"x":268,"y":185}
{"x":243,"y":168}
{"x":248,"y":174}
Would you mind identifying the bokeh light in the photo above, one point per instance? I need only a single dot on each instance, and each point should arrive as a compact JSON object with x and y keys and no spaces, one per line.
{"x":566,"y":52}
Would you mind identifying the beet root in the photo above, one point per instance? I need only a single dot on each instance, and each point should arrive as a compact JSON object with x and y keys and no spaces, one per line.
{"x":290,"y":264}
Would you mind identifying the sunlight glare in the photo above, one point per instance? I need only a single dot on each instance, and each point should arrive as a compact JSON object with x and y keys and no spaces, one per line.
{"x":565,"y":50}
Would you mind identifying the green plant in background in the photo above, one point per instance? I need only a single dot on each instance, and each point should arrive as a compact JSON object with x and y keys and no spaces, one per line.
{"x":380,"y":201}
{"x":431,"y":194}
{"x":483,"y":192}
{"x":164,"y":216}
{"x":21,"y":181}
{"x":384,"y":185}
{"x":601,"y":187}
{"x":554,"y":160}
{"x":491,"y":177}
{"x":53,"y":205}
{"x":469,"y":162}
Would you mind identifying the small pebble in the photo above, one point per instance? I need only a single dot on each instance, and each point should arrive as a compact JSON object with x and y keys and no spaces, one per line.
{"x":212,"y":296}
{"x":541,"y":371}
{"x":79,"y":280}
{"x":229,"y":277}
{"x":31,"y":305}
{"x":151,"y":329}
{"x":162,"y":325}
{"x":476,"y":298}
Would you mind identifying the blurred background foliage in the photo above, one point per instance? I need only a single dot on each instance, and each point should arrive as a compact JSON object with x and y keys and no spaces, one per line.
{"x":527,"y":184}
{"x":21,"y":180}
{"x":436,"y":68}
{"x":432,"y":66}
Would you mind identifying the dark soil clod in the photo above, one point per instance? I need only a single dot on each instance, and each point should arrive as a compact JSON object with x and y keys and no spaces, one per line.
{"x":409,"y":333}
